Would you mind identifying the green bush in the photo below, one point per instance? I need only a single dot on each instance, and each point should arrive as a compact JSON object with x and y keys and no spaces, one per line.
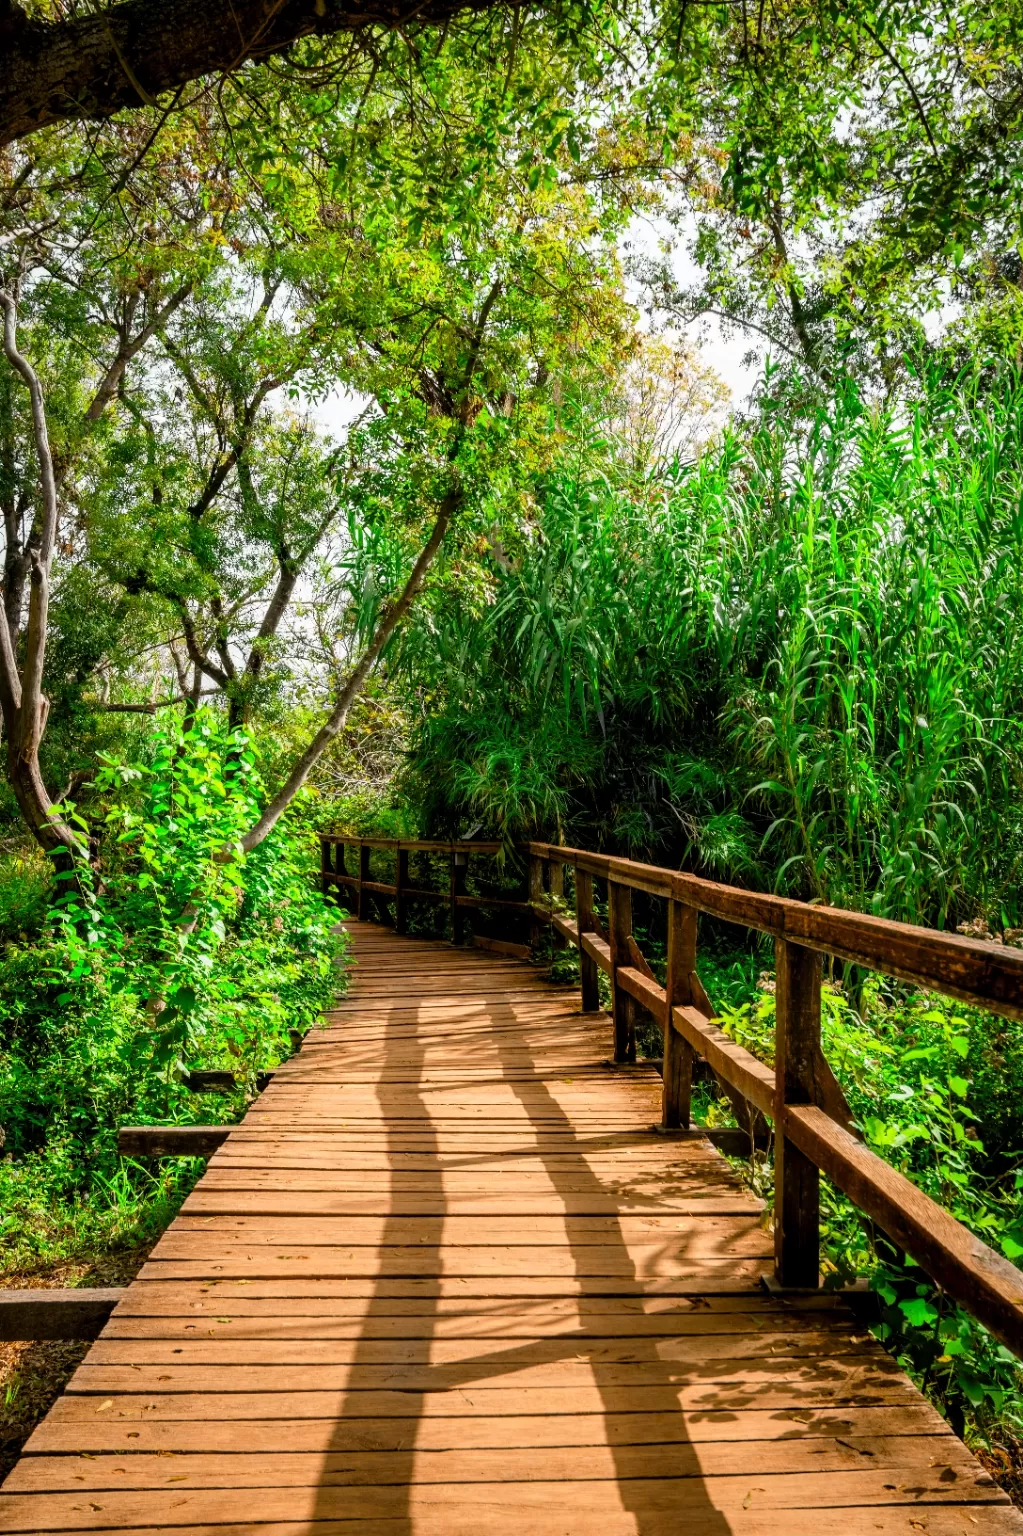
{"x":178,"y":951}
{"x":934,"y":1098}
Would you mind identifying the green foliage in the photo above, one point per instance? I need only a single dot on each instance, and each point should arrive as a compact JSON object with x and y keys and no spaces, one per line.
{"x":180,"y":952}
{"x":916,"y":1072}
{"x":795,"y":662}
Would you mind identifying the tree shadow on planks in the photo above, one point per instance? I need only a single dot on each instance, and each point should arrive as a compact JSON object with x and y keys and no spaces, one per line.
{"x":577,"y":1336}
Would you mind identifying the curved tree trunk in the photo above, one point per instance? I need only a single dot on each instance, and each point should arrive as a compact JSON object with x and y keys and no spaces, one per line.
{"x":22,"y":701}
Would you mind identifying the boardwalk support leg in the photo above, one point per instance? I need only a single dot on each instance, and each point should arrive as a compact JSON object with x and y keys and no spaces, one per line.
{"x":797,"y":1179}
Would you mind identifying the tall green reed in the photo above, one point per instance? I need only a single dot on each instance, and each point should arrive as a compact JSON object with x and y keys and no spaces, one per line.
{"x":796,"y":662}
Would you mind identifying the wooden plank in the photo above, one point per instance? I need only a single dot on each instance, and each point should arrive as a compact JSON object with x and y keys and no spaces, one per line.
{"x":795,"y":1399}
{"x":804,"y":1428}
{"x":504,"y":1516}
{"x":56,"y":1313}
{"x":171,"y":1140}
{"x":921,"y":1456}
{"x":102,"y":1380}
{"x":636,"y":1356}
{"x":291,"y":1322}
{"x":647,"y":1498}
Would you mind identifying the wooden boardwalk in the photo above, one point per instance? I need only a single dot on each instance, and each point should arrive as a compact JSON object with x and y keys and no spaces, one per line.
{"x":444,"y":1279}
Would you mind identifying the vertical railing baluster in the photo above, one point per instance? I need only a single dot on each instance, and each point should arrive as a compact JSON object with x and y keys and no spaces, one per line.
{"x":556,"y":885}
{"x":400,"y":899}
{"x":797,"y":1038}
{"x":619,"y":909}
{"x":363,"y":896}
{"x":326,"y":868}
{"x":585,"y":924}
{"x":534,"y":895}
{"x":677,"y":1066}
{"x":459,"y":870}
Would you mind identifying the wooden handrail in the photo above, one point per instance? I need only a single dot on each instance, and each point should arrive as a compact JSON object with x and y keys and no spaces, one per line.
{"x":799,"y":1095}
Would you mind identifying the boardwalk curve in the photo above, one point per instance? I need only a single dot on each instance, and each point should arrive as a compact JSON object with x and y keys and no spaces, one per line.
{"x":444,"y":1279}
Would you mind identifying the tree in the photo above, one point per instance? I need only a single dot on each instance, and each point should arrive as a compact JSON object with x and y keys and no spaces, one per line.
{"x":467,"y":308}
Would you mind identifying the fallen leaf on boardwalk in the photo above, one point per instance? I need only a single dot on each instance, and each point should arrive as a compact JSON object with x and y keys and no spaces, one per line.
{"x":748,"y":1500}
{"x":104,"y":1406}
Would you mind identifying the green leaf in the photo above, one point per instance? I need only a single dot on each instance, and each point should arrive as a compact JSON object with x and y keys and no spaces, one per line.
{"x":918,"y":1311}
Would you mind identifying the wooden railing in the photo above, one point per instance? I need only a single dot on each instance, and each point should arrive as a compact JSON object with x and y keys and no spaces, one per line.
{"x":799,"y":1095}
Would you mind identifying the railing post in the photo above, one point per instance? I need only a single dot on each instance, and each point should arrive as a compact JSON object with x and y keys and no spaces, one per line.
{"x":619,"y":910}
{"x":796,"y":1179}
{"x":535,"y":895}
{"x":585,"y":924}
{"x":363,"y":896}
{"x":677,"y":1067}
{"x":556,"y":884}
{"x":326,"y":868}
{"x":400,"y":900}
{"x":459,"y":869}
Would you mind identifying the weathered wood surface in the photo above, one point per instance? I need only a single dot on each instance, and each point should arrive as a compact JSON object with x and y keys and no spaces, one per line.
{"x":445,"y":1279}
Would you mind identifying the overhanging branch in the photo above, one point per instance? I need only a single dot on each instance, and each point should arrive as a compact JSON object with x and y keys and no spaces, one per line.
{"x":124,"y":56}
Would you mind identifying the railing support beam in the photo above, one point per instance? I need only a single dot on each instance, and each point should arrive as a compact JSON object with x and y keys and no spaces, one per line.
{"x":459,"y":870}
{"x":534,"y":894}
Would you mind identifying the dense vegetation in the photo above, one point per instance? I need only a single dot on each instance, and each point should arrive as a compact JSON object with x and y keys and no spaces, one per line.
{"x":796,"y":661}
{"x":540,"y":579}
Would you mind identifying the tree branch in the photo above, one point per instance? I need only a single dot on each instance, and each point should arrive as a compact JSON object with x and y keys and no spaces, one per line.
{"x":123,"y":56}
{"x":129,"y":350}
{"x":387,"y":624}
